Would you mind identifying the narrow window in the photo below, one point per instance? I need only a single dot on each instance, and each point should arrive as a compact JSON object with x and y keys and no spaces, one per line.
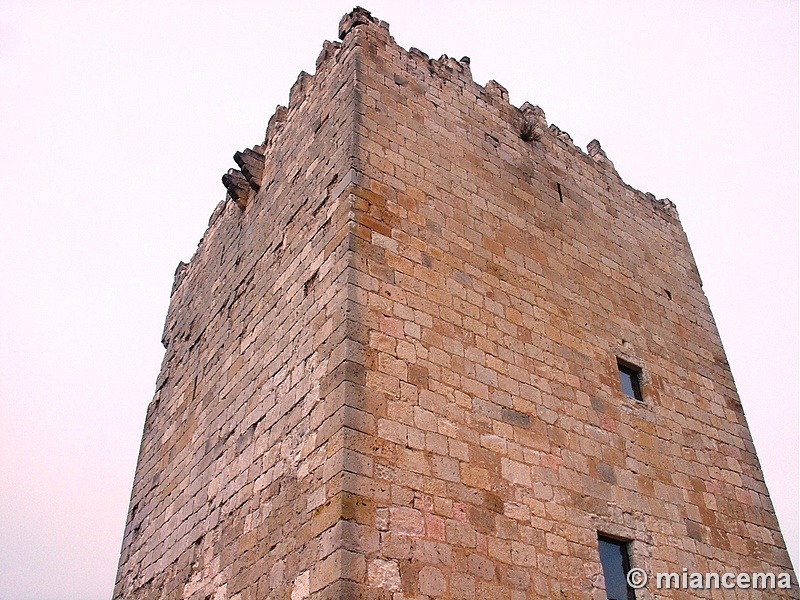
{"x":629,"y":379}
{"x":614,"y":558}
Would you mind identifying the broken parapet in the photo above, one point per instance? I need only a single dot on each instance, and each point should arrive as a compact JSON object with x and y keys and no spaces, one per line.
{"x":180,"y":273}
{"x":328,"y":50}
{"x":447,"y":67}
{"x":529,"y":120}
{"x":598,"y":154}
{"x":276,"y":123}
{"x":665,"y":205}
{"x":299,"y":89}
{"x":562,"y":135}
{"x":243,"y":182}
{"x":495,"y":90}
{"x":359,"y":16}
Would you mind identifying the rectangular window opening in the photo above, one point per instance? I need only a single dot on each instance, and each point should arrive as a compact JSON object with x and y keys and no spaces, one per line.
{"x":629,"y":378}
{"x":616,"y":564}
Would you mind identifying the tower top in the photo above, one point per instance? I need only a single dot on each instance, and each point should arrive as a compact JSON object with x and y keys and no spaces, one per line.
{"x":529,"y":120}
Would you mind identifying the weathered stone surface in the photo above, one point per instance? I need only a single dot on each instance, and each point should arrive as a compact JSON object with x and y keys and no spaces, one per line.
{"x":392,"y":371}
{"x":384,"y":574}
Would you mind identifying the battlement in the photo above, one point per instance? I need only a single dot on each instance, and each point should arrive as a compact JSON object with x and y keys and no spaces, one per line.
{"x":529,"y":120}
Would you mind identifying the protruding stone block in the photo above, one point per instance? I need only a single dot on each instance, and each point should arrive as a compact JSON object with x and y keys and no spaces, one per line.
{"x":238,"y":188}
{"x":252,"y":165}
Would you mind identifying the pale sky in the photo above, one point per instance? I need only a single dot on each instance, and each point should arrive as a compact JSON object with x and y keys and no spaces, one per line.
{"x":117,"y":120}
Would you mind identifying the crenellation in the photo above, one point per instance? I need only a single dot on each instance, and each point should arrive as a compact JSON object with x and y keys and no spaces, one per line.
{"x":596,"y":152}
{"x":298,"y":91}
{"x":533,"y":123}
{"x":358,"y":16}
{"x":275,"y":124}
{"x":329,"y":50}
{"x":496,"y":91}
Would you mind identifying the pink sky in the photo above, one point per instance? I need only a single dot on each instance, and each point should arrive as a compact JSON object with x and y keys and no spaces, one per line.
{"x":117,"y":120}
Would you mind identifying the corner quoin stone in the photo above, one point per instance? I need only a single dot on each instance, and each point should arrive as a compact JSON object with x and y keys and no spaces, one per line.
{"x":391,"y":366}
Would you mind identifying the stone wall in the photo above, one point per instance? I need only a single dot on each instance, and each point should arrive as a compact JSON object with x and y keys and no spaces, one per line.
{"x":392,"y":364}
{"x":241,"y":440}
{"x":505,"y":273}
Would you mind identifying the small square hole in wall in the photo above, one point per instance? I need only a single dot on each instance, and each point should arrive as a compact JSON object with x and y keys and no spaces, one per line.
{"x":630,"y":380}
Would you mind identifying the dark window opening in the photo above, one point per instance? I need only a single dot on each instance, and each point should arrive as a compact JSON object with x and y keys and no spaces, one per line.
{"x":560,"y":195}
{"x":629,"y":379}
{"x":615,"y":562}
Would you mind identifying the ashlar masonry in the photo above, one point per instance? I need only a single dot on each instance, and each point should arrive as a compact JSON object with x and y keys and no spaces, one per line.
{"x":429,"y":348}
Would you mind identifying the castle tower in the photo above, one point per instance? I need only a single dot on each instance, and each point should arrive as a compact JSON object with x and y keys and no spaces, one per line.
{"x":428,"y":348}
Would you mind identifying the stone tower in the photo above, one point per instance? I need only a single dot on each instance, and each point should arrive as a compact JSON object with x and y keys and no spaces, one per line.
{"x":429,"y":348}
